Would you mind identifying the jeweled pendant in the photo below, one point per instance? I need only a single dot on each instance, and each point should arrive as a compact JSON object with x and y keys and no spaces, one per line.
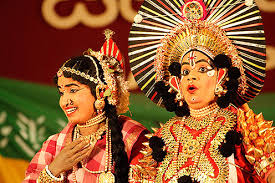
{"x":106,"y":177}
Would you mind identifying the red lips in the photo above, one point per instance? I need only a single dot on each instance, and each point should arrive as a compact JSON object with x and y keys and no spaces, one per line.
{"x":70,"y":110}
{"x":191,"y":89}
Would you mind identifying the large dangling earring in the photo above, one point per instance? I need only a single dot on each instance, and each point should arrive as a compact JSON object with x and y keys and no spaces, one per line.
{"x":219,"y":90}
{"x":174,"y":83}
{"x":99,"y":103}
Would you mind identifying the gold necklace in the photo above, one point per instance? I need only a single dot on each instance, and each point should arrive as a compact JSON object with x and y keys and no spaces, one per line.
{"x":197,"y":124}
{"x":106,"y":176}
{"x":203,"y":143}
{"x":93,"y":121}
{"x":92,"y":138}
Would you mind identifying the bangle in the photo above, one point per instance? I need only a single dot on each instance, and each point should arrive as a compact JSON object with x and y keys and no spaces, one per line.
{"x":61,"y":178}
{"x":45,"y":177}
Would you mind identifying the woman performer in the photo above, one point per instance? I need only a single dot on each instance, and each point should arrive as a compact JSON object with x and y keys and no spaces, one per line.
{"x":97,"y":144}
{"x":202,"y":76}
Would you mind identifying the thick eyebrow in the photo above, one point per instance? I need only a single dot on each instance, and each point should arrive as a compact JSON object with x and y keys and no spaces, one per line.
{"x":185,"y":63}
{"x":201,"y":60}
{"x":68,"y":85}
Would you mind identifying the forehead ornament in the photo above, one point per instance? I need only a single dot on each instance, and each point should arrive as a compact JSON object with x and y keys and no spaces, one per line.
{"x":82,"y":74}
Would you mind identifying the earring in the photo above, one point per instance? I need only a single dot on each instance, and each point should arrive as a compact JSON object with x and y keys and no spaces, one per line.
{"x":99,"y":103}
{"x":219,"y":90}
{"x":174,"y":83}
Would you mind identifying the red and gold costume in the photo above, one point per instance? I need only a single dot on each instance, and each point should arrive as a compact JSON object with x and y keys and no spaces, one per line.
{"x":168,"y":43}
{"x":133,"y":136}
{"x":193,"y":149}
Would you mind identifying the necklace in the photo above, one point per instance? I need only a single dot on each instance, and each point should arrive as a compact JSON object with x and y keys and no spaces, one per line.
{"x":199,"y":113}
{"x":197,"y":124}
{"x":203,"y":143}
{"x":95,"y":120}
{"x":201,"y":118}
{"x":106,"y":176}
{"x":93,"y":138}
{"x":191,"y":148}
{"x":198,"y":154}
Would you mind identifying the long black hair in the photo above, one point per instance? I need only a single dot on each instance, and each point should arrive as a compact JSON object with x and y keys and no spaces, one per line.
{"x":120,"y":158}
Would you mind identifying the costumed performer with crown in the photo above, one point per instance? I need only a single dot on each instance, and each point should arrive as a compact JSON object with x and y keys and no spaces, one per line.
{"x":203,"y":60}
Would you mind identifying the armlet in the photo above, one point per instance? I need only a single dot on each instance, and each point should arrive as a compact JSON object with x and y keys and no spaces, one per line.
{"x":258,"y":140}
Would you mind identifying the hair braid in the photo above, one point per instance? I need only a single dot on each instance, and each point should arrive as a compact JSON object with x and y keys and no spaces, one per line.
{"x":118,"y":147}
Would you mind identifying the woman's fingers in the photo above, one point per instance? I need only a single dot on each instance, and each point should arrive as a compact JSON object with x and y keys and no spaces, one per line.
{"x":82,"y":154}
{"x":71,"y":145}
{"x":74,"y":143}
{"x":78,"y":147}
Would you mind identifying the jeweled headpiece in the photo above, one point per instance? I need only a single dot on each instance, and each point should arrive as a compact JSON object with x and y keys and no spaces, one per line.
{"x":113,"y":86}
{"x":165,"y":31}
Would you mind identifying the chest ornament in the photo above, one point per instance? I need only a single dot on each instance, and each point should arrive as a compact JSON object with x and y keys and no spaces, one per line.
{"x":193,"y":150}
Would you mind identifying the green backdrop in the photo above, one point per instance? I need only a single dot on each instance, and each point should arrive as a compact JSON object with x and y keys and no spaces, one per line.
{"x":29,"y":113}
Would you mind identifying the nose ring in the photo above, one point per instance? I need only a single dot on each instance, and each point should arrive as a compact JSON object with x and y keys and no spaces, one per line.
{"x":70,"y":102}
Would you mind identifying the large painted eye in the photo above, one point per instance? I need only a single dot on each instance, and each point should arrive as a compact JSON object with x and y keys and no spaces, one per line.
{"x":203,"y":69}
{"x":185,"y":72}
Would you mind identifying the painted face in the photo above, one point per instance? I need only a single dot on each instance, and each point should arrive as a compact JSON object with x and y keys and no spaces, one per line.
{"x":198,"y":80}
{"x":76,"y":100}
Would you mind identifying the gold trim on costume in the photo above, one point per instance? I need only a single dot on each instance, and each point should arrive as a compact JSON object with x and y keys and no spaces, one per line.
{"x":174,"y":164}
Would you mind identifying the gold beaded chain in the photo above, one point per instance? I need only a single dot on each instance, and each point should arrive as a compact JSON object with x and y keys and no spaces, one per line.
{"x":177,"y":146}
{"x":106,"y":174}
{"x":204,"y":142}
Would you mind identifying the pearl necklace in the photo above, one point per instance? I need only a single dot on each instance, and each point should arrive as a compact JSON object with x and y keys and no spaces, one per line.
{"x":105,"y":175}
{"x":198,"y":113}
{"x":95,"y":120}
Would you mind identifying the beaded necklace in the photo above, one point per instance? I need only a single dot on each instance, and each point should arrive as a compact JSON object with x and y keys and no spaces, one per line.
{"x":95,"y":120}
{"x":200,"y":118}
{"x":105,"y":175}
{"x":199,"y":113}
